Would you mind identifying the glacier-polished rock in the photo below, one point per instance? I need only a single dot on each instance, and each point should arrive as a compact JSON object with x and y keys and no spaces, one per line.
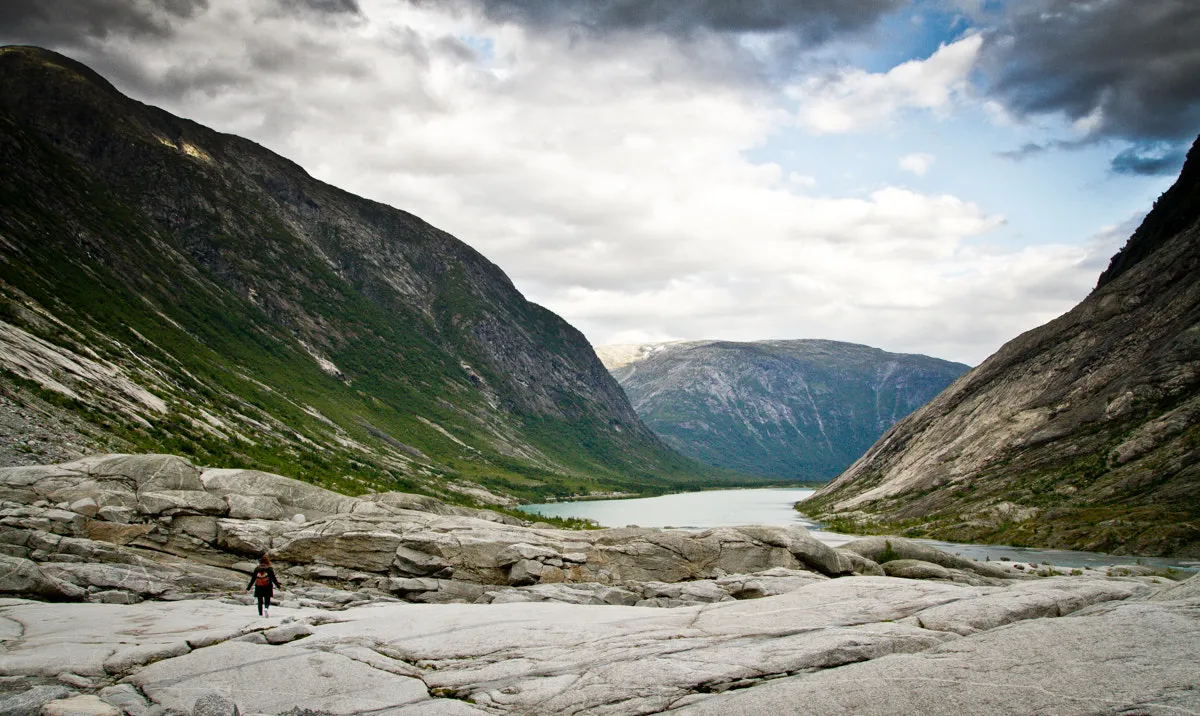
{"x":857,"y":645}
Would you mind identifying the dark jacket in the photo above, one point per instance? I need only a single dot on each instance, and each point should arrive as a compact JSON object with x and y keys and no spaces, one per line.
{"x":270,"y":579}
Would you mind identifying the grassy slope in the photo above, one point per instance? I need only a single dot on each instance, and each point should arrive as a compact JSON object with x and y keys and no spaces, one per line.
{"x":161,"y":302}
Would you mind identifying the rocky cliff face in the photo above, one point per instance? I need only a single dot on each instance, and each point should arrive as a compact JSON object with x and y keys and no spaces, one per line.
{"x":794,"y":410}
{"x":165,"y":286}
{"x":1082,"y":433}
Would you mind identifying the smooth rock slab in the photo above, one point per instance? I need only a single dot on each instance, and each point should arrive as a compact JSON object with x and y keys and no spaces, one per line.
{"x":129,"y":658}
{"x":557,"y":658}
{"x":275,"y":679}
{"x":1127,"y":658}
{"x":1028,"y":600}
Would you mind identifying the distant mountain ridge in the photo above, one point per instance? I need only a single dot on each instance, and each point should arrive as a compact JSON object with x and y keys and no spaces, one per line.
{"x":1083,"y":433}
{"x":789,"y":410}
{"x":165,"y":287}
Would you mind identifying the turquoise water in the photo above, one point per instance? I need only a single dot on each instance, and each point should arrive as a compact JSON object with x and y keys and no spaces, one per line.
{"x":728,"y":508}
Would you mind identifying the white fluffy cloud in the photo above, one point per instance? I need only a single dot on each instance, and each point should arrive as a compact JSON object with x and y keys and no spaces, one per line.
{"x":612,"y":183}
{"x":916,"y":163}
{"x":855,"y":100}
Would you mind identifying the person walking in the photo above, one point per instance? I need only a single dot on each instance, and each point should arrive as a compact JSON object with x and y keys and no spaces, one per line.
{"x":262,"y":581}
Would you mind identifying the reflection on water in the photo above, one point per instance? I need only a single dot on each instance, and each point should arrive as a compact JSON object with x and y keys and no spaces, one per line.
{"x":728,"y":508}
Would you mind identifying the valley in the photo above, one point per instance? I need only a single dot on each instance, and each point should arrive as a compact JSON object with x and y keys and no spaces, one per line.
{"x":168,"y":288}
{"x":799,"y":410}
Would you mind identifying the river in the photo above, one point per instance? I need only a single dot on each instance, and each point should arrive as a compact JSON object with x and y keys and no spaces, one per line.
{"x":727,"y":508}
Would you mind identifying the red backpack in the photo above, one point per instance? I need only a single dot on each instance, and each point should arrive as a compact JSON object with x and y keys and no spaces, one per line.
{"x":262,"y":579}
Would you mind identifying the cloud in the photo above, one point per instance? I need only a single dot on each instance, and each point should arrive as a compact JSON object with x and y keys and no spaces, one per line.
{"x":611,"y":181}
{"x":58,"y":21}
{"x":1125,"y":69}
{"x":1158,"y":159}
{"x":917,"y":163}
{"x":76,"y":23}
{"x":812,"y":21}
{"x":855,"y":100}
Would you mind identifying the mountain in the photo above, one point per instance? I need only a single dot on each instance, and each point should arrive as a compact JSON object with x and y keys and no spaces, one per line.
{"x":165,"y":287}
{"x":792,"y":410}
{"x":1083,"y":433}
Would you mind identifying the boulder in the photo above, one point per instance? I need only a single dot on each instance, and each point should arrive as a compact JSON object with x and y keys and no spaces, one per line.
{"x":31,"y":701}
{"x":885,"y":549}
{"x":187,"y":502}
{"x":525,"y":571}
{"x":84,"y":705}
{"x":248,"y":537}
{"x":860,"y":565}
{"x":201,"y":527}
{"x":23,"y":577}
{"x":285,"y":634}
{"x":86,"y":507}
{"x":212,"y":703}
{"x":413,"y":584}
{"x":126,"y":698}
{"x":254,"y":507}
{"x":805,"y":548}
{"x":915,"y":569}
{"x":410,"y":561}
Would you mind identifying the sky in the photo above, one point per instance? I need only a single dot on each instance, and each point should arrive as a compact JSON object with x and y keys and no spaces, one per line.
{"x":928,"y":177}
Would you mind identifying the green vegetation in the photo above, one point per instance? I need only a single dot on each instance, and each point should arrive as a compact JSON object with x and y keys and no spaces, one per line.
{"x":216,"y":287}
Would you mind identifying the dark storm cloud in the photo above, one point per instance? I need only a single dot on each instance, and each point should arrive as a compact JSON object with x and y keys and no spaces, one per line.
{"x":1135,"y":62}
{"x":332,"y":7}
{"x":52,"y":22}
{"x":811,"y":20}
{"x":1033,"y":149}
{"x":1155,"y":160}
{"x":56,"y":23}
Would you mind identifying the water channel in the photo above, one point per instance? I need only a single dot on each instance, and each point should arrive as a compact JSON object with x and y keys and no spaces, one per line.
{"x":727,"y":508}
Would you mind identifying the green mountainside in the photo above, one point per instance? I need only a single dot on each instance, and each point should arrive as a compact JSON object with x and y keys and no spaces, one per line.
{"x":789,"y":410}
{"x":1083,"y":433}
{"x":165,"y":287}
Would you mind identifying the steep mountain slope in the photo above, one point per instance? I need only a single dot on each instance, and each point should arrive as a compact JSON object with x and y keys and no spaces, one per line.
{"x":1082,"y":433}
{"x":801,"y":409}
{"x":167,"y":287}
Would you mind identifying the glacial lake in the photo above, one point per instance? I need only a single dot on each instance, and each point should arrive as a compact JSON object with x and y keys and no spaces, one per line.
{"x":729,"y":508}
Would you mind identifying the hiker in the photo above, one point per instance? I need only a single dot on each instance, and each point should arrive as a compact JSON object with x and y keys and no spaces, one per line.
{"x":261,"y":580}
